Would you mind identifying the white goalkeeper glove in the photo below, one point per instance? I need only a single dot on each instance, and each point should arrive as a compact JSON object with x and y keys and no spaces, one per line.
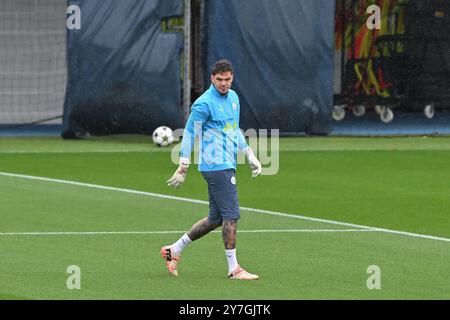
{"x":255,"y":165}
{"x":180,"y":174}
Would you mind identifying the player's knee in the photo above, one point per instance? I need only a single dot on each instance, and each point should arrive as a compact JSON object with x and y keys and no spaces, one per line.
{"x":231,"y":223}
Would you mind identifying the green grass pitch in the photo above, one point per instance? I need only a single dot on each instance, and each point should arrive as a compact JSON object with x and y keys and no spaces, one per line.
{"x":114,"y":235}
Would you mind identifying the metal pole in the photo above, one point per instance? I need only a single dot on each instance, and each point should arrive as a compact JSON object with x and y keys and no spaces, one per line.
{"x":187,"y":61}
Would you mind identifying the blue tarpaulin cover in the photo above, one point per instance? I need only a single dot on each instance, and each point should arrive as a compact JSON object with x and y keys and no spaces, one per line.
{"x":125,"y":77}
{"x":283,"y":55}
{"x":124,"y":71}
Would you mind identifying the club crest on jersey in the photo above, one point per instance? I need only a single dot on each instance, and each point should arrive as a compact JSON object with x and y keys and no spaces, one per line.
{"x":234,"y":106}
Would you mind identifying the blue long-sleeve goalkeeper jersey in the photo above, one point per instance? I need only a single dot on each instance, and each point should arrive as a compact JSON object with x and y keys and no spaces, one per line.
{"x":215,"y":119}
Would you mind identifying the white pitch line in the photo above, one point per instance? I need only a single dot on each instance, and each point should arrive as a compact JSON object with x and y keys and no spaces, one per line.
{"x":153,"y":150}
{"x":274,"y":213}
{"x":96,"y":233}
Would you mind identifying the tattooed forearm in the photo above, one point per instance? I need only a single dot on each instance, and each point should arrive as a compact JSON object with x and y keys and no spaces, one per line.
{"x":201,"y":228}
{"x":229,"y":234}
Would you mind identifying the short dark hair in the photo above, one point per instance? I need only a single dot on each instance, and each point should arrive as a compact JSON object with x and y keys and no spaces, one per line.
{"x":221,"y":66}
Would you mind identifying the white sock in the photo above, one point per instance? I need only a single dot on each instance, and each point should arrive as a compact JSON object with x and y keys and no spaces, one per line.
{"x":231,"y":258}
{"x":182,"y":243}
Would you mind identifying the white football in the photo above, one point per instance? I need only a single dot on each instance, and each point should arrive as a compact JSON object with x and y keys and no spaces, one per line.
{"x":162,"y":136}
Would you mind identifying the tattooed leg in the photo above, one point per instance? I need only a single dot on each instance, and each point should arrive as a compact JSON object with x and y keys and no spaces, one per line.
{"x":201,"y":228}
{"x":229,"y":234}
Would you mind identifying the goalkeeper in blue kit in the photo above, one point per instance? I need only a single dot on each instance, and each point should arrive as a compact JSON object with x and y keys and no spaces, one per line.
{"x":215,"y":118}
